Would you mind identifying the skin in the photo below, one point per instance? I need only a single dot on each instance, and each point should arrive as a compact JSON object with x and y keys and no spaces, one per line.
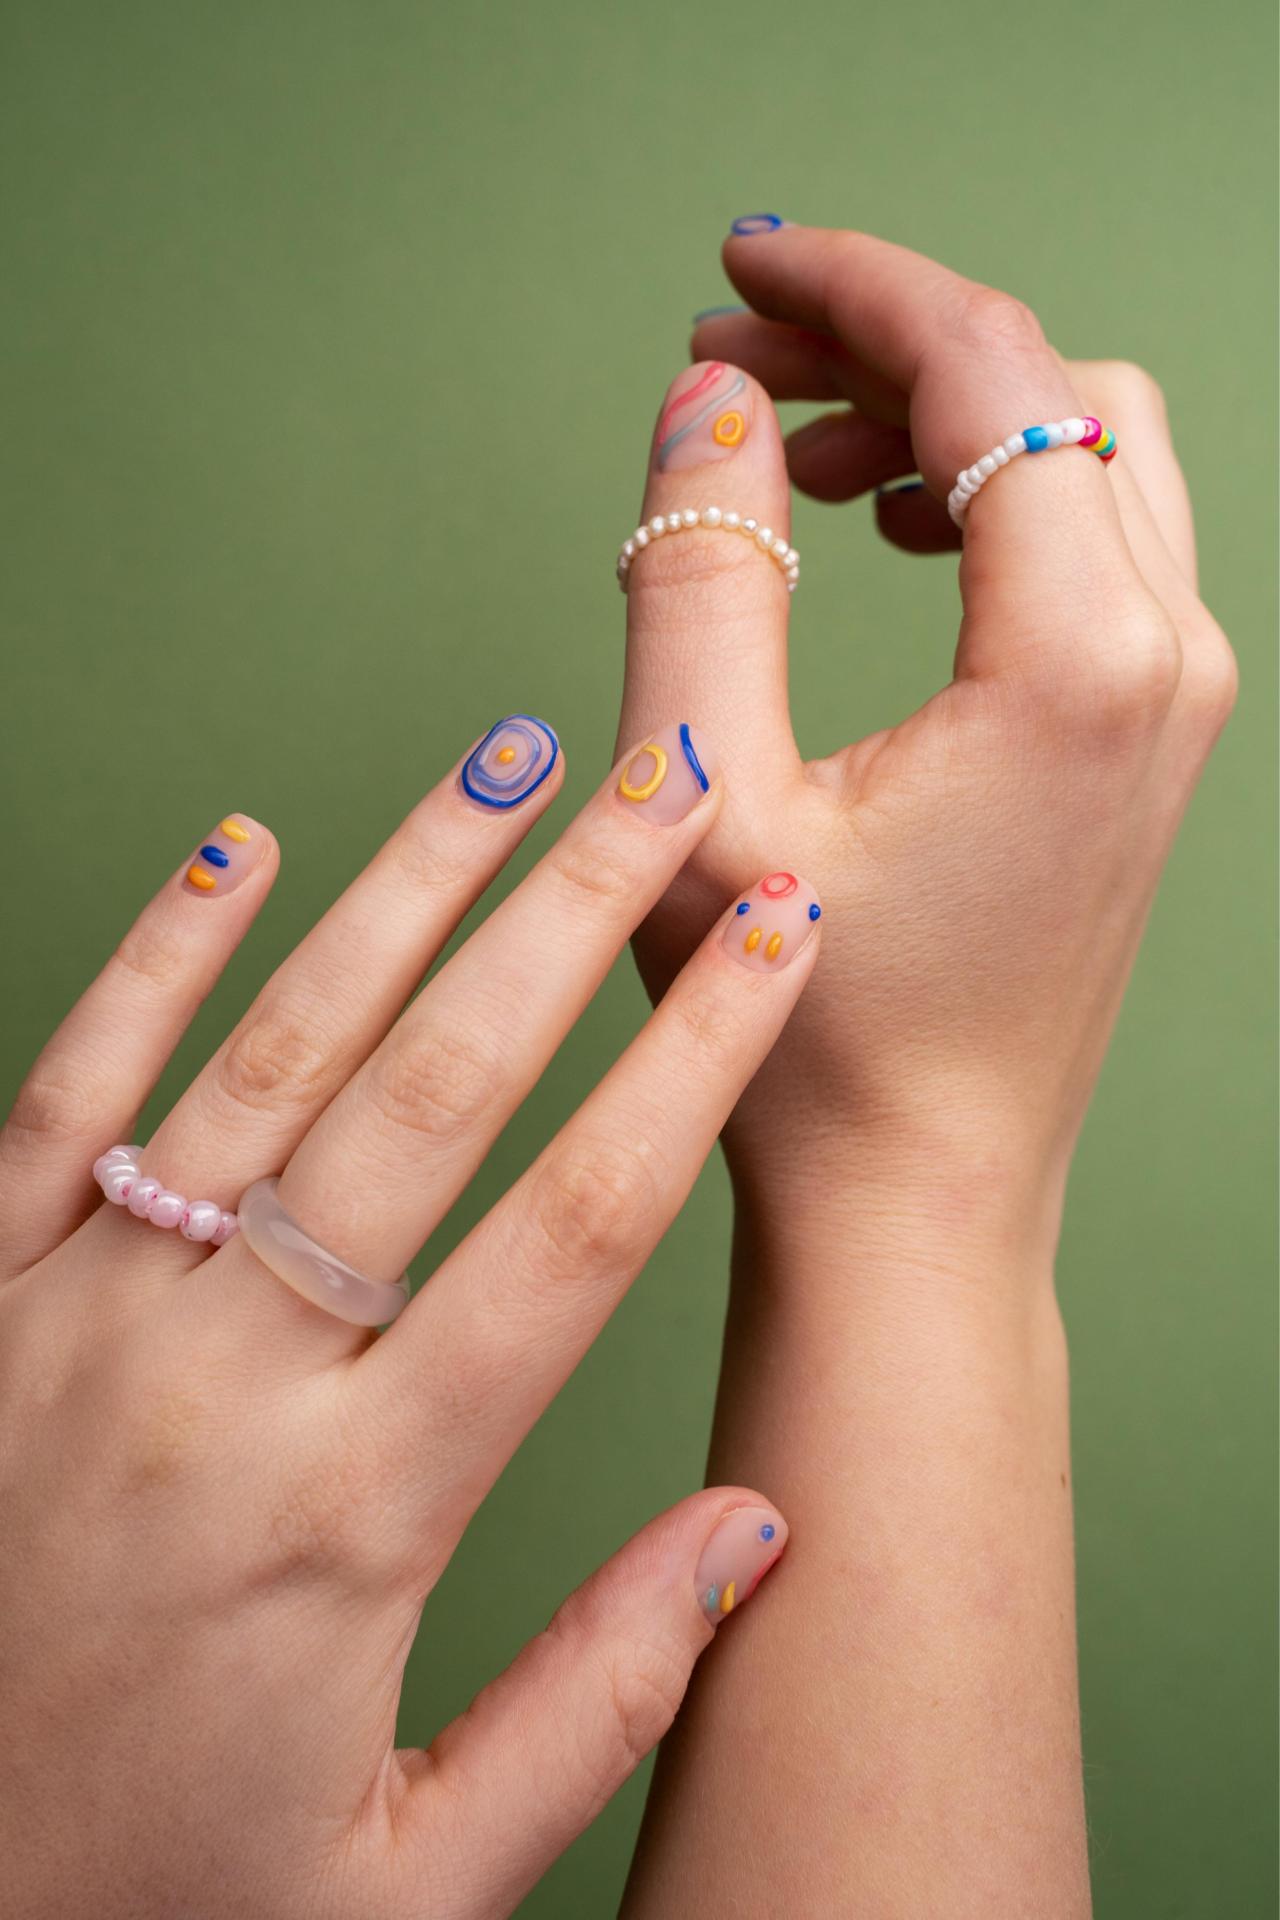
{"x":222,"y":1507}
{"x":895,"y":1367}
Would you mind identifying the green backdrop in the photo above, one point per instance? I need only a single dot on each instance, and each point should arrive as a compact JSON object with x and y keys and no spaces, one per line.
{"x":332,"y":334}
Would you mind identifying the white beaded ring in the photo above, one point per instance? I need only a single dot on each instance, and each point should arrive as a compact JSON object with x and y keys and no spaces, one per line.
{"x":715,"y":520}
{"x":120,"y":1176}
{"x":1088,"y":433}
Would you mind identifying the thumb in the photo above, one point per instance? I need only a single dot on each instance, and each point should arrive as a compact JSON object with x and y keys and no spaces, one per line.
{"x":504,"y":1789}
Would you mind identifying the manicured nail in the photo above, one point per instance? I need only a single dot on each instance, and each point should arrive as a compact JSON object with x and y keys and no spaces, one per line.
{"x":510,"y":763}
{"x":669,"y":774}
{"x":749,"y":223}
{"x":714,"y":313}
{"x":736,"y":1558}
{"x":898,"y":486}
{"x":705,"y":416}
{"x":227,"y":857}
{"x":770,"y":924}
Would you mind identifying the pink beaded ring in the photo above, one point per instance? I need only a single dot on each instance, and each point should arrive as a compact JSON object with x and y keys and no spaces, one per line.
{"x":124,"y":1185}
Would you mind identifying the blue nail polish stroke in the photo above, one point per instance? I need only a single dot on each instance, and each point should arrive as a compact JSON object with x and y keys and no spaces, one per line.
{"x":749,"y":223}
{"x":690,"y":754}
{"x":485,"y":778}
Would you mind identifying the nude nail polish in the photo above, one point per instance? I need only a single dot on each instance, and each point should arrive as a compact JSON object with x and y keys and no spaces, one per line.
{"x":227,"y":857}
{"x":666,"y":777}
{"x":510,"y":763}
{"x":706,"y":416}
{"x":770,"y":924}
{"x":748,"y":224}
{"x":736,"y":1558}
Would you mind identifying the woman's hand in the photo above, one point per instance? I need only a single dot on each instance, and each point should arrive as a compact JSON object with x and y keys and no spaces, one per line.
{"x":895,"y":1368}
{"x":222,"y":1507}
{"x":994,"y":855}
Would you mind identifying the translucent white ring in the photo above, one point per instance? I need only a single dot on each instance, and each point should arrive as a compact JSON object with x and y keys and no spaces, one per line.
{"x":310,"y":1269}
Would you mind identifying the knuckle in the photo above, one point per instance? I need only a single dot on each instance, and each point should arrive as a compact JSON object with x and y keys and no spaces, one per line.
{"x":594,"y":872}
{"x":646,"y":1683}
{"x":438,"y":1082}
{"x":994,"y":322}
{"x":282,"y":1053}
{"x":422,"y":864}
{"x":151,"y":956}
{"x":1124,"y":390}
{"x":701,"y":566}
{"x":1131,"y":686}
{"x":596,"y":1207}
{"x":53,"y":1106}
{"x":1211,"y":680}
{"x":712,"y":1029}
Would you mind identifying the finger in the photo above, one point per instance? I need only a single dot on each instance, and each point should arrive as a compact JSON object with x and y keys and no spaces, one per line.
{"x":489,"y":1341}
{"x":798,"y":363}
{"x":86,"y":1089}
{"x":542,"y":1750}
{"x":330,"y":1003}
{"x":909,"y":517}
{"x":977,"y":368}
{"x":707,"y":608}
{"x":841,"y":455}
{"x":397,"y":1146}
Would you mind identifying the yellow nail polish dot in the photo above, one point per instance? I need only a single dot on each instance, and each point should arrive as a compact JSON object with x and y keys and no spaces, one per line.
{"x":505,"y":756}
{"x":199,"y":878}
{"x":728,"y":1596}
{"x":774,"y":947}
{"x":644,"y":790}
{"x":234,"y":831}
{"x":728,"y":430}
{"x":752,"y":940}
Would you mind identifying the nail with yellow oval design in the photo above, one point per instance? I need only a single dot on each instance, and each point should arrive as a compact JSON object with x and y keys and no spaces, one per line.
{"x":736,"y":1558}
{"x":228,"y":856}
{"x":667,"y":776}
{"x":770,"y":924}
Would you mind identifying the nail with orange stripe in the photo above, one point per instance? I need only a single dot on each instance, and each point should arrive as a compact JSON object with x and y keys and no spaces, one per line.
{"x":770,"y":925}
{"x":230,"y":853}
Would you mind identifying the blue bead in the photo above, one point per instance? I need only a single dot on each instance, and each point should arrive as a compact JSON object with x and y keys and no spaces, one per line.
{"x":768,"y":1530}
{"x":744,"y":906}
{"x":815,"y":911}
{"x":215,"y":856}
{"x":1036,"y":438}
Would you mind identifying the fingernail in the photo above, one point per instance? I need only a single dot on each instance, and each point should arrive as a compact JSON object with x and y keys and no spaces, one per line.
{"x":736,"y":1558}
{"x":899,"y":486}
{"x":669,"y":774}
{"x":749,"y":223}
{"x":227,"y":857}
{"x":510,"y":763}
{"x":770,"y":924}
{"x":705,"y":416}
{"x":714,"y":313}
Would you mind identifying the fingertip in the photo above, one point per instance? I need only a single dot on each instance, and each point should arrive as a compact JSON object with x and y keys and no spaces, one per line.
{"x":745,"y":1544}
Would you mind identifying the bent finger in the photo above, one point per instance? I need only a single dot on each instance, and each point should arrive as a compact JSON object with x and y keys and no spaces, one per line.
{"x":544,"y":1747}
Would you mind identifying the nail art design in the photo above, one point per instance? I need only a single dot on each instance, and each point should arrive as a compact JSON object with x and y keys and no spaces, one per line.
{"x":669,"y":774}
{"x":510,"y":763}
{"x":711,"y":396}
{"x":231,"y":852}
{"x":736,"y":1558}
{"x":899,"y":486}
{"x":715,"y":313}
{"x":749,"y":223}
{"x":769,"y":927}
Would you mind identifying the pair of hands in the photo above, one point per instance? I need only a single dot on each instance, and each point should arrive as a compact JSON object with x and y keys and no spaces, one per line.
{"x":224,"y":1508}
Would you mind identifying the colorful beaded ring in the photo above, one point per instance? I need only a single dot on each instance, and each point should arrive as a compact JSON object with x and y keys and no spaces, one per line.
{"x":120,"y":1176}
{"x":1060,"y":433}
{"x":715,"y":520}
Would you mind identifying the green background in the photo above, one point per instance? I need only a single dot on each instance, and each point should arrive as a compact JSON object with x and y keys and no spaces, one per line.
{"x":331,"y":335}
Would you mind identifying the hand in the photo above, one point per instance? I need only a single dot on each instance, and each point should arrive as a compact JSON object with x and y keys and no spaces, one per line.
{"x":994,"y":855}
{"x":223,"y":1507}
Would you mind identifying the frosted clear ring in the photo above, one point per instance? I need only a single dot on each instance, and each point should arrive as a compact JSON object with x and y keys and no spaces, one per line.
{"x":310,"y":1269}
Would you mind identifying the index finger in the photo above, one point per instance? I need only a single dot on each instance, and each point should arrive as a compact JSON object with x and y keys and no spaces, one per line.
{"x":976,"y":368}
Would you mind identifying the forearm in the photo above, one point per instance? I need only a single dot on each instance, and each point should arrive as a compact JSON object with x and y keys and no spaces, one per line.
{"x":894,"y":1730}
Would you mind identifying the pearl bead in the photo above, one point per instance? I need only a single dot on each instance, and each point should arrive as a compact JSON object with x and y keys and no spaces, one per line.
{"x":658,"y":526}
{"x":141,"y":1194}
{"x":764,"y":536}
{"x":780,"y":543}
{"x":674,"y":522}
{"x":167,"y":1209}
{"x":791,"y":556}
{"x":690,"y":516}
{"x":642,"y":536}
{"x":227,"y":1227}
{"x":200,"y":1221}
{"x":750,"y":526}
{"x":117,"y":1181}
{"x":711,"y":516}
{"x":731,"y":522}
{"x":629,"y":548}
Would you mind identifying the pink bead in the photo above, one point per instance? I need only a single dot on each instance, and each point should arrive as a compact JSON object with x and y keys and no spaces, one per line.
{"x":167,"y":1209}
{"x":117,"y":1180}
{"x":227,"y":1227}
{"x":201,"y":1220}
{"x":141,"y":1194}
{"x":1092,"y":431}
{"x":100,"y":1166}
